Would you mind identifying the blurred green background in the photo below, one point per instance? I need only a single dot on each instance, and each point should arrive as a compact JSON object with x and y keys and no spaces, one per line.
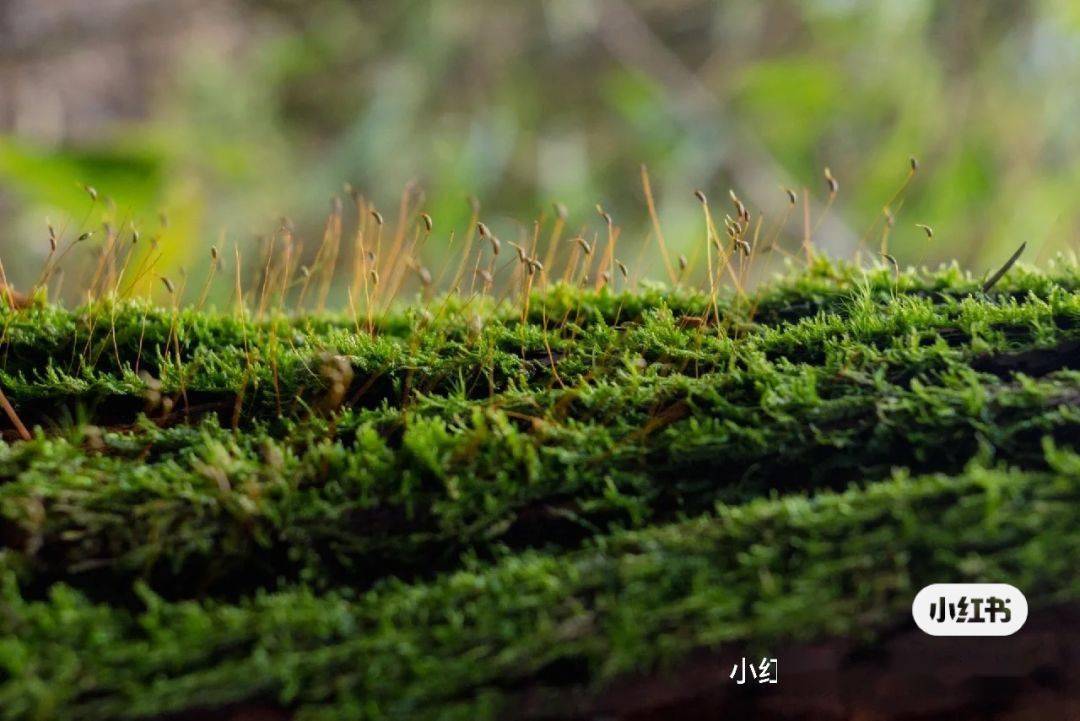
{"x":229,"y":114}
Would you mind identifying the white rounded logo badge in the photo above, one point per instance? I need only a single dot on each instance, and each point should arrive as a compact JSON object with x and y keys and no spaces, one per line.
{"x":970,"y":609}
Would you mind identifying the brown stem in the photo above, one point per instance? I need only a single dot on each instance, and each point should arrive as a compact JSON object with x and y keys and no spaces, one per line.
{"x":14,"y":417}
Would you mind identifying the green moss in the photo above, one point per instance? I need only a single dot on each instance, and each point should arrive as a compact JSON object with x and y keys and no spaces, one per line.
{"x":796,"y":567}
{"x":216,"y":509}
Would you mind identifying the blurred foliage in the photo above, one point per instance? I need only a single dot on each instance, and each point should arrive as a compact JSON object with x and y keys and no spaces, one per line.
{"x":523,"y":104}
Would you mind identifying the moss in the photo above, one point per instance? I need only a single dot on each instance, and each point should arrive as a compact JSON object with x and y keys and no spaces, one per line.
{"x":794,"y":567}
{"x":427,"y":518}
